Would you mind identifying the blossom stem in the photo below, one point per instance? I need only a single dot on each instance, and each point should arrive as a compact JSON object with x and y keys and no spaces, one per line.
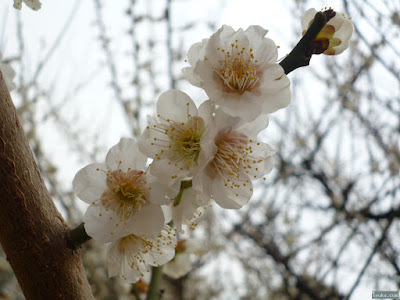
{"x":153,"y":291}
{"x":301,"y":53}
{"x":185,"y":184}
{"x":78,"y":236}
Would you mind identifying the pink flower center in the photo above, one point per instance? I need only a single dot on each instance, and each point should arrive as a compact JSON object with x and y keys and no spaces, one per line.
{"x":185,"y":140}
{"x":139,"y":252}
{"x":232,"y":154}
{"x":182,"y":140}
{"x":126,"y":192}
{"x":238,"y":70}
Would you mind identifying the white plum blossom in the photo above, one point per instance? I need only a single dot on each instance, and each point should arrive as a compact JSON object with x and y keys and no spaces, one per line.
{"x":239,"y":72}
{"x":131,"y":256}
{"x":196,"y":52}
{"x":334,"y":38}
{"x":179,"y":266}
{"x":182,"y":262}
{"x":33,"y":4}
{"x":8,"y":74}
{"x":123,"y":199}
{"x":230,"y":158}
{"x":172,"y":139}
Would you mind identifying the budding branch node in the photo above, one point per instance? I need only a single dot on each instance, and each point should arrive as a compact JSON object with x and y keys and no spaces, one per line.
{"x":301,"y":53}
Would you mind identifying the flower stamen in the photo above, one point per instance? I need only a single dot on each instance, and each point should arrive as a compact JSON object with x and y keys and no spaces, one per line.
{"x":136,"y":250}
{"x":238,"y":70}
{"x":182,"y":140}
{"x":126,"y":193}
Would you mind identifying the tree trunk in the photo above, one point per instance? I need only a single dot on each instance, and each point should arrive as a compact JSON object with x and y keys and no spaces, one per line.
{"x":33,"y":234}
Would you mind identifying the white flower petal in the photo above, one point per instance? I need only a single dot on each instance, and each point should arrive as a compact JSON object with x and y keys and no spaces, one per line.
{"x":176,"y":105}
{"x":206,"y":111}
{"x":265,"y":154}
{"x":113,"y":260}
{"x":166,"y":171}
{"x":106,"y":226}
{"x":101,"y":224}
{"x":253,"y":128}
{"x":345,"y":31}
{"x":264,"y":48}
{"x":167,"y":213}
{"x":195,"y":53}
{"x":125,"y":155}
{"x":229,"y":35}
{"x":336,"y":21}
{"x":193,"y":78}
{"x":256,"y":32}
{"x":276,"y":85}
{"x":158,"y":191}
{"x":232,"y":197}
{"x":208,"y":147}
{"x":148,"y":221}
{"x":339,"y":49}
{"x":178,"y":267}
{"x":157,"y":259}
{"x":89,"y":183}
{"x":147,"y":143}
{"x":236,"y":107}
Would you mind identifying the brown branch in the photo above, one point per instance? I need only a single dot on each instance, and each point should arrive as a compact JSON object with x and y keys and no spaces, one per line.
{"x":33,"y":234}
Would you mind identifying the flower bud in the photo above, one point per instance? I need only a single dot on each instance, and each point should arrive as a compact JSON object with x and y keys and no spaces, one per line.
{"x":334,"y":38}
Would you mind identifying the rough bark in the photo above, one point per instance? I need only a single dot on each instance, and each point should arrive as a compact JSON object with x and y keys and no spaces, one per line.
{"x":33,"y":234}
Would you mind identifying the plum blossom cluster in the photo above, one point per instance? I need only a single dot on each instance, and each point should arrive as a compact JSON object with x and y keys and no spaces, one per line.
{"x":125,"y":210}
{"x":209,"y":153}
{"x":213,"y":150}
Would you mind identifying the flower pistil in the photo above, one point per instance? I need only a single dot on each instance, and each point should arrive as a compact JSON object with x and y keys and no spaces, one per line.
{"x":238,"y":70}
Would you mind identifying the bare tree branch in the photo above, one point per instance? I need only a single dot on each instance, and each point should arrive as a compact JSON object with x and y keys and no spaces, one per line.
{"x":33,"y":234}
